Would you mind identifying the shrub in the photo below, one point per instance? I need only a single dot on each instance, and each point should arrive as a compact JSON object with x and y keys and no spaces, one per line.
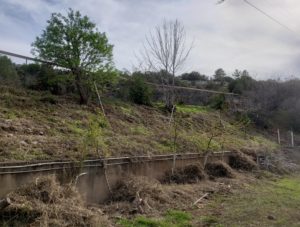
{"x":139,"y":91}
{"x":218,"y":102}
{"x":8,"y":73}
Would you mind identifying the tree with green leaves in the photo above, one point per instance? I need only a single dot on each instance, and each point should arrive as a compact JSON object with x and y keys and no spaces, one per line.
{"x":219,"y":75}
{"x":8,"y":73}
{"x":74,"y":42}
{"x":139,"y":91}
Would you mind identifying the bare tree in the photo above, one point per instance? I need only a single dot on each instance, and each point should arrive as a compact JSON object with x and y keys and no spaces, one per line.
{"x":165,"y":50}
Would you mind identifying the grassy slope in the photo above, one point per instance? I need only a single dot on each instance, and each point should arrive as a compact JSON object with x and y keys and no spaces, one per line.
{"x":266,"y":203}
{"x":32,"y":127}
{"x":261,"y":203}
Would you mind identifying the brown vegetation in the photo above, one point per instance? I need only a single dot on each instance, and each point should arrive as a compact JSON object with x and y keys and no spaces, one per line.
{"x":47,"y":203}
{"x":32,"y":129}
{"x":241,"y":161}
{"x":219,"y":169}
{"x":185,"y":175}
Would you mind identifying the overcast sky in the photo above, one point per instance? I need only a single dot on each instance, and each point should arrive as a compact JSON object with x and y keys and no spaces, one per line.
{"x":230,"y":35}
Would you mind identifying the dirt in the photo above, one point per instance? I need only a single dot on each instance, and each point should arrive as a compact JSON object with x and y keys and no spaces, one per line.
{"x":47,"y":203}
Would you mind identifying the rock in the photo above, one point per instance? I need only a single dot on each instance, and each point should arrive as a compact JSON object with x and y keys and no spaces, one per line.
{"x":34,"y":142}
{"x":271,"y":217}
{"x":28,"y":130}
{"x":23,"y":143}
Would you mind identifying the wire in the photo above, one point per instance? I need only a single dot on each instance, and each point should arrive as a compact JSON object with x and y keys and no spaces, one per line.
{"x":269,"y":16}
{"x":287,"y":13}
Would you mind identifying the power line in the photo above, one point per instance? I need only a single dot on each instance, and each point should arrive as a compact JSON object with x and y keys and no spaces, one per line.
{"x":269,"y":16}
{"x":264,"y":13}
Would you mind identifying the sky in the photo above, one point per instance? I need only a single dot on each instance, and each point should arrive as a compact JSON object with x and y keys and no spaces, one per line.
{"x":231,"y":35}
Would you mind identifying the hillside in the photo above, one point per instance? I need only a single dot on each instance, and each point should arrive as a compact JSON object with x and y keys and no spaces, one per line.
{"x":36,"y":126}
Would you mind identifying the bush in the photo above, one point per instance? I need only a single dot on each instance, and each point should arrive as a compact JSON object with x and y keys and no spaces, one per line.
{"x":8,"y":73}
{"x":45,"y":77}
{"x":28,"y":74}
{"x":139,"y":91}
{"x":49,"y":99}
{"x":241,"y":84}
{"x":218,"y":102}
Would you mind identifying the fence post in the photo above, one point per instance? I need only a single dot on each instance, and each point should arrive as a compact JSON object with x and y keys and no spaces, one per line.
{"x":292,"y":138}
{"x":278,"y":136}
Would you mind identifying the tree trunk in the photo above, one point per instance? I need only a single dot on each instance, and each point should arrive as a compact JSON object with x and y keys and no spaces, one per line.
{"x":82,"y":89}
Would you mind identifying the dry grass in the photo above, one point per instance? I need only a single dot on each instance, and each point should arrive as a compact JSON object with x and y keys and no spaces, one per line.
{"x":47,"y":203}
{"x":32,"y":129}
{"x":219,"y":169}
{"x":189,"y":174}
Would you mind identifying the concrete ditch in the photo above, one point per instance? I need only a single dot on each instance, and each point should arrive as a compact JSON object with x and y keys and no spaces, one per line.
{"x":95,"y":178}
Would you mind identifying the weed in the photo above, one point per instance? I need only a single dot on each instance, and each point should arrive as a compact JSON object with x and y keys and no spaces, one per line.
{"x":208,"y":220}
{"x":178,"y":217}
{"x":172,"y":218}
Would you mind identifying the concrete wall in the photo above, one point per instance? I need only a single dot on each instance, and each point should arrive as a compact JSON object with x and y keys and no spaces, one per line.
{"x":92,"y":183}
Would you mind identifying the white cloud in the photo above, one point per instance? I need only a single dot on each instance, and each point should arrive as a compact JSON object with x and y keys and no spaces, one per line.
{"x":231,"y":35}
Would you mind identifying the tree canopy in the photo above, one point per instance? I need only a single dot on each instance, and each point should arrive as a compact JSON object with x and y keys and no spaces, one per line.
{"x":74,"y":42}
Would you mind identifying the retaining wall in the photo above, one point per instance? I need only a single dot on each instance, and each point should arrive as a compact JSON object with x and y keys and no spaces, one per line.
{"x":93,"y":176}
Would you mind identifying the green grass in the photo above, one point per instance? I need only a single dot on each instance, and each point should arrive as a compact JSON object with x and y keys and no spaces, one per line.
{"x":172,"y":218}
{"x":255,"y":206}
{"x":191,"y":109}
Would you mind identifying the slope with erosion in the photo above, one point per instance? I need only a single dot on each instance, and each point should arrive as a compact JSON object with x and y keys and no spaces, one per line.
{"x":38,"y":126}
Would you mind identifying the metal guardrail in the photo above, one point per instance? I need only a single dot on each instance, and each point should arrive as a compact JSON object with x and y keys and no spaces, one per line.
{"x":193,"y":89}
{"x":26,"y":57}
{"x":27,"y":167}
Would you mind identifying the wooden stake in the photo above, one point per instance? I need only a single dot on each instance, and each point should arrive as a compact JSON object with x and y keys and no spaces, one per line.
{"x":292,"y":138}
{"x":278,"y":136}
{"x":106,"y":178}
{"x":171,"y":117}
{"x":174,"y":163}
{"x":99,"y":98}
{"x":198,"y":200}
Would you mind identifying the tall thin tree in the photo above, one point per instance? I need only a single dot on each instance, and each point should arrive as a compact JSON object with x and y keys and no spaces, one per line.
{"x":165,"y":50}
